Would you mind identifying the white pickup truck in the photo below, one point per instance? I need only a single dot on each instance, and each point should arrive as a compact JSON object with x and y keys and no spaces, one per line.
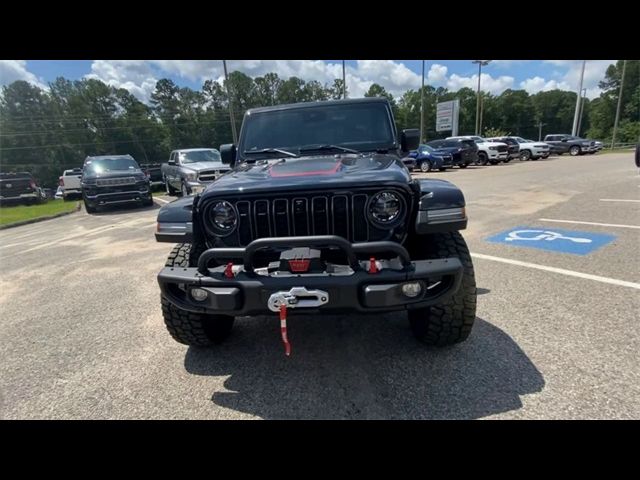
{"x":491,"y":152}
{"x":70,"y":183}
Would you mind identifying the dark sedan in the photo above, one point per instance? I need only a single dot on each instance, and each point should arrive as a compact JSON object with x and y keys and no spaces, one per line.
{"x":463,"y":152}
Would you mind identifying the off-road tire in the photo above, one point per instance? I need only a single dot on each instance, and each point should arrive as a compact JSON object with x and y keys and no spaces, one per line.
{"x":195,"y":329}
{"x":482,"y":159}
{"x":450,"y":322}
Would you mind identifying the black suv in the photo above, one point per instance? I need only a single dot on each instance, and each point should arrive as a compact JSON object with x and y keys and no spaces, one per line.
{"x":20,"y":187}
{"x":114,"y":179}
{"x":318,"y":215}
{"x":464,"y":152}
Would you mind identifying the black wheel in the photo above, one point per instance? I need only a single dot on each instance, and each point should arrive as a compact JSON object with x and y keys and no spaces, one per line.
{"x":200,"y":330}
{"x":450,"y":322}
{"x":89,"y":208}
{"x":425,"y":166}
{"x":574,"y":150}
{"x":482,"y":159}
{"x":168,"y":188}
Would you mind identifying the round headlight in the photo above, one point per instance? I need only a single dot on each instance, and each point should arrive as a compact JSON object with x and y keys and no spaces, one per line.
{"x":224,"y":217}
{"x":385,"y":208}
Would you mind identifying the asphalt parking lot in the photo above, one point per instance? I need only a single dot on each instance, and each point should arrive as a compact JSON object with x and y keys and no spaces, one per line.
{"x":81,"y":333}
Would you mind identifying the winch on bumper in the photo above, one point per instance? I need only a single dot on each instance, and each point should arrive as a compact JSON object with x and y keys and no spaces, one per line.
{"x":372,"y":285}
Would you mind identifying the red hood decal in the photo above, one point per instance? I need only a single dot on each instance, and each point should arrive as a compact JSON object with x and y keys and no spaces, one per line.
{"x":283,"y":170}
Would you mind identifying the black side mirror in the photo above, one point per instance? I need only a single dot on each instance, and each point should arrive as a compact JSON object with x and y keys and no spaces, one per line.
{"x":228,"y":154}
{"x":172,"y":162}
{"x":409,"y":139}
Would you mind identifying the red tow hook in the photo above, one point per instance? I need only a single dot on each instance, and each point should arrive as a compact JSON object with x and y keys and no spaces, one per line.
{"x":228,"y":271}
{"x":283,"y":329}
{"x":373,"y":267}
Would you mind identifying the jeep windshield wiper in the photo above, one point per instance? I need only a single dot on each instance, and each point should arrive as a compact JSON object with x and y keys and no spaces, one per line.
{"x":313,"y":148}
{"x":270,"y":150}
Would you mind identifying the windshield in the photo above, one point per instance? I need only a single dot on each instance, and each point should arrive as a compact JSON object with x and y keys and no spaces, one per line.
{"x":425,"y":148}
{"x":211,"y":155}
{"x":362,"y":127}
{"x":109,"y":164}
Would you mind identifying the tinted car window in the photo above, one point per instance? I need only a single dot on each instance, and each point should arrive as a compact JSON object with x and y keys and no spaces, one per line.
{"x":110,"y":164}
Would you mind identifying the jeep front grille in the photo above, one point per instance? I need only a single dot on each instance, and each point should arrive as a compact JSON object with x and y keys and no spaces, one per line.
{"x":340,"y":213}
{"x":115,"y":182}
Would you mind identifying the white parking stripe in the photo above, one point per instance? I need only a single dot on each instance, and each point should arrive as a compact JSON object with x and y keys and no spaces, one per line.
{"x":589,"y":223}
{"x":562,"y":271}
{"x":618,"y":200}
{"x":161,"y":200}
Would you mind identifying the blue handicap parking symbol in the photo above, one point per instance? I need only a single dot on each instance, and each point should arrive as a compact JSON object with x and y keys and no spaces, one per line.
{"x":554,"y":239}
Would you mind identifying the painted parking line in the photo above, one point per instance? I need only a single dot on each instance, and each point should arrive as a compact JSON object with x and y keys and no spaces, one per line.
{"x":556,"y":240}
{"x":619,"y":200}
{"x":161,"y":200}
{"x":589,"y":223}
{"x":561,"y":271}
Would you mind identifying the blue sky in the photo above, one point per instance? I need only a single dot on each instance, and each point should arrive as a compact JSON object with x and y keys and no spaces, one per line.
{"x":396,"y":76}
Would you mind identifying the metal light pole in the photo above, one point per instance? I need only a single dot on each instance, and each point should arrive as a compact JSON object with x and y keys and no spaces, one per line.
{"x":344,"y":82}
{"x":576,"y":114}
{"x":233,"y":123}
{"x":540,"y":125}
{"x":422,"y":106}
{"x":615,"y":124}
{"x":480,"y":63}
{"x":584,"y":96}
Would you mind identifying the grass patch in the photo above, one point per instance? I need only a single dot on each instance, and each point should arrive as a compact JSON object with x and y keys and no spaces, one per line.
{"x":20,"y":213}
{"x":618,"y":150}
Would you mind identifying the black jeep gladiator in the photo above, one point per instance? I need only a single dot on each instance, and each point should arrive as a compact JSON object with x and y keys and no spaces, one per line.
{"x":318,"y":215}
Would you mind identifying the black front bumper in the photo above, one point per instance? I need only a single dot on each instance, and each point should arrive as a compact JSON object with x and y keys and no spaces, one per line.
{"x":248,"y":292}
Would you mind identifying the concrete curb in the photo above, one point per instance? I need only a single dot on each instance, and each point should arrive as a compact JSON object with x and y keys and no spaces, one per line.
{"x":40,"y":219}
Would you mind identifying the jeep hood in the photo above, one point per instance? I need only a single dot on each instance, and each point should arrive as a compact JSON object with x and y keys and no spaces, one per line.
{"x":312,"y":172}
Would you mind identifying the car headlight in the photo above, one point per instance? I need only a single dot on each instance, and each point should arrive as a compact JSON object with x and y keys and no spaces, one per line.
{"x":191,"y":177}
{"x":223,"y":217}
{"x":493,"y":148}
{"x":386,"y":209}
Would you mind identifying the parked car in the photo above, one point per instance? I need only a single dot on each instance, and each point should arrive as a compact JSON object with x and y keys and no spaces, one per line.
{"x":114,"y":179}
{"x":561,"y":143}
{"x":70,"y":183}
{"x":191,"y":170}
{"x":319,"y":215}
{"x":599,"y":145}
{"x":20,"y":187}
{"x":488,"y":152}
{"x":530,"y":149}
{"x":464,"y":152}
{"x":59,"y":193}
{"x":512,"y":145}
{"x":154,"y":172}
{"x":428,"y":158}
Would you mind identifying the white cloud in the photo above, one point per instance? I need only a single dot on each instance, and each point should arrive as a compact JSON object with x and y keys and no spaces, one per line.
{"x":437,"y":75}
{"x":593,"y":74}
{"x":136,"y":76}
{"x":539,"y":84}
{"x":487,"y":83}
{"x":12,"y":70}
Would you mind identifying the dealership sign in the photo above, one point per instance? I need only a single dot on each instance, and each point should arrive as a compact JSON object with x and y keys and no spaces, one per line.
{"x":447,"y":116}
